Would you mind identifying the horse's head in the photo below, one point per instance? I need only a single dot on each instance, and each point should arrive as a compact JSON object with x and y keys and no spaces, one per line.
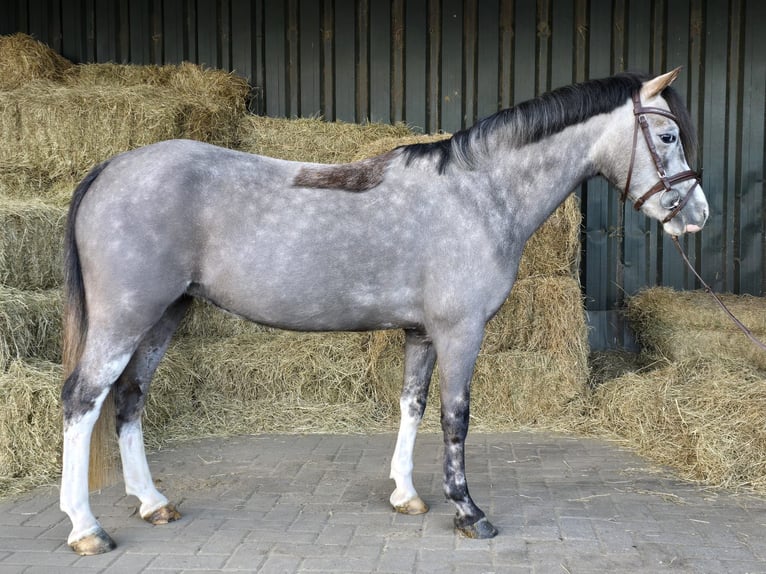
{"x":655,"y":139}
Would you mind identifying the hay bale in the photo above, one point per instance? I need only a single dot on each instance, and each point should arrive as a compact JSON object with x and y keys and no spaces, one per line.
{"x":311,"y":139}
{"x":30,"y":325}
{"x":335,"y":382}
{"x":64,"y":131}
{"x":542,"y":314}
{"x":30,"y":425}
{"x":554,"y":249}
{"x":264,"y":382}
{"x":205,"y":321}
{"x":31,"y":244}
{"x":23,"y":59}
{"x":702,"y":416}
{"x":51,"y":133}
{"x":29,"y":184}
{"x":510,"y":389}
{"x":118,"y":75}
{"x":393,"y":141}
{"x":518,"y":389}
{"x":681,"y":326}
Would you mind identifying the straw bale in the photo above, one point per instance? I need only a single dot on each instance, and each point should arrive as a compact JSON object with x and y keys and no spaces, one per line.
{"x":259,"y":382}
{"x":64,"y":131}
{"x":118,"y":75}
{"x":392,"y":141}
{"x":510,"y":389}
{"x":24,"y":59}
{"x":334,"y":382}
{"x":205,"y":320}
{"x":192,"y":80}
{"x":31,"y":244}
{"x":311,"y":139}
{"x":29,"y":183}
{"x":702,"y":416}
{"x":30,"y":325}
{"x":554,"y":249}
{"x":684,"y":325}
{"x":30,"y":425}
{"x":542,"y":314}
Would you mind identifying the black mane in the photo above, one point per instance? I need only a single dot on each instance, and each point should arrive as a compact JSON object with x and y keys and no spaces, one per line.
{"x":535,"y":119}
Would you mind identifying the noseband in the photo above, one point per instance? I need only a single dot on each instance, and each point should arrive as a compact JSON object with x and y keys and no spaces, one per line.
{"x":666,"y":182}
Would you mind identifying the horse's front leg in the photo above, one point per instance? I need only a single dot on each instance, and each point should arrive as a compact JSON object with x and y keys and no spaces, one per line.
{"x":419,"y":359}
{"x":457,"y":354}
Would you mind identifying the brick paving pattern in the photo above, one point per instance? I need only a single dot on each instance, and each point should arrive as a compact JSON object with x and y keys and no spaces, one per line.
{"x":319,"y":503}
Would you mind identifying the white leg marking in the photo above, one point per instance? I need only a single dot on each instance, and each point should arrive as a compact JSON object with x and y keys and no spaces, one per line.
{"x":74,"y":474}
{"x":401,"y":463}
{"x":138,"y":479}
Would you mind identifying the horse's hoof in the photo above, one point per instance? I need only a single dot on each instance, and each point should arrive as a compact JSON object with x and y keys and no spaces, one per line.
{"x":163,"y":515}
{"x":97,"y":543}
{"x":412,"y":507}
{"x":480,"y":529}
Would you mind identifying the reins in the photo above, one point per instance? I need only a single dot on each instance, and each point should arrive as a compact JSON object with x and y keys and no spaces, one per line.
{"x":665,"y":184}
{"x":737,"y":322}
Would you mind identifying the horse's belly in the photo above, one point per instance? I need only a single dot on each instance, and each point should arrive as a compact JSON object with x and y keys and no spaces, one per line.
{"x":307,"y":304}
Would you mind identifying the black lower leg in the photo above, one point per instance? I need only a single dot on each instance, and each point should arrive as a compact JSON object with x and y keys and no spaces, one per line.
{"x":455,"y":427}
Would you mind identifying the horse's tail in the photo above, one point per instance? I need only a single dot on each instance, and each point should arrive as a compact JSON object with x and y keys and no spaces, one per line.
{"x":102,"y":468}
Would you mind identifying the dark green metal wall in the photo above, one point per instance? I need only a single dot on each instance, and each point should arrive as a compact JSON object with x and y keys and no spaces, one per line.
{"x":440,"y":64}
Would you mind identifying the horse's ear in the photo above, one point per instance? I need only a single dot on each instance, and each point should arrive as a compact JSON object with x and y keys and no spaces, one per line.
{"x":654,"y":86}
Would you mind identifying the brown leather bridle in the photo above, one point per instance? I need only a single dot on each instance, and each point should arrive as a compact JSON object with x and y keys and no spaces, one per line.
{"x":666,"y":182}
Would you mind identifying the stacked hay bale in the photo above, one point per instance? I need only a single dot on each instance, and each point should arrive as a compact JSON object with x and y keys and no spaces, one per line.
{"x":223,"y":375}
{"x":698,"y":404}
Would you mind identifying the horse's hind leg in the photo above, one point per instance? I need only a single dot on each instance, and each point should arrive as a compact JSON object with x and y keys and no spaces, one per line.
{"x":83,"y":393}
{"x":130,"y":392}
{"x":419,"y":358}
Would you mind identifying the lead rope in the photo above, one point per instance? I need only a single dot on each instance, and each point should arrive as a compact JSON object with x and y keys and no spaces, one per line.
{"x":737,"y":322}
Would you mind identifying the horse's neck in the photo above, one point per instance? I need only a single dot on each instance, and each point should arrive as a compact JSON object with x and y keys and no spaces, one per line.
{"x":538,"y":177}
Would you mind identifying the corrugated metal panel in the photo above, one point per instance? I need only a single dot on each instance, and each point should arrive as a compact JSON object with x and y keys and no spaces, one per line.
{"x":440,"y":64}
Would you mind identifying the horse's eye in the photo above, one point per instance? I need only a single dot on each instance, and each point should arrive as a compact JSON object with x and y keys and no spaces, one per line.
{"x":668,"y":138}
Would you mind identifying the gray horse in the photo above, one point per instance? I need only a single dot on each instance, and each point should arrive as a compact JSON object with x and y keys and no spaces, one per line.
{"x":426,"y":238}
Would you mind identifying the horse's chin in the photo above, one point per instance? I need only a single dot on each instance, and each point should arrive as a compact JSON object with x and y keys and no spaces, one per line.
{"x":676,"y":229}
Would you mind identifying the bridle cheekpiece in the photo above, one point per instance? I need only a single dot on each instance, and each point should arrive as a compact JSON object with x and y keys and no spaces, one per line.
{"x":666,"y":182}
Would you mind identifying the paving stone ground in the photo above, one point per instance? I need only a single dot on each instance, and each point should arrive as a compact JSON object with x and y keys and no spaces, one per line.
{"x":319,"y":503}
